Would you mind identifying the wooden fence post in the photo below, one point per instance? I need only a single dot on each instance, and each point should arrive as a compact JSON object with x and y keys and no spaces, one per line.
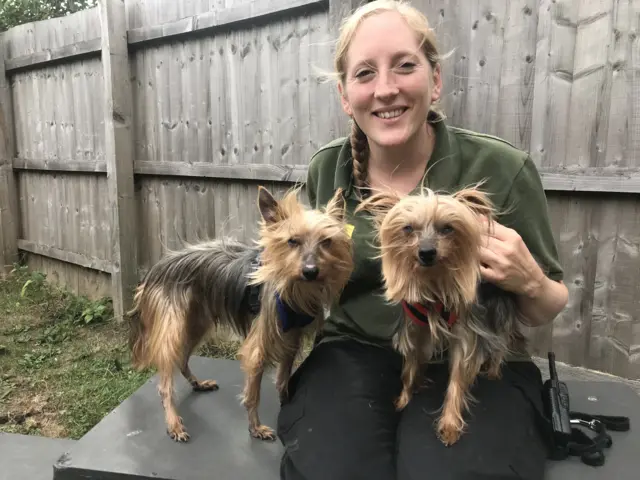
{"x":118,"y":123}
{"x":338,"y":10}
{"x":9,"y":210}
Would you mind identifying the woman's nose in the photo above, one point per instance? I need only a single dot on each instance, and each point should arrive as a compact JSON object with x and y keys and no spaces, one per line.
{"x":385,"y":86}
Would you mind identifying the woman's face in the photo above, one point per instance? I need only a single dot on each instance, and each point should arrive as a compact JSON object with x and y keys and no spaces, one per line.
{"x":389,"y":85}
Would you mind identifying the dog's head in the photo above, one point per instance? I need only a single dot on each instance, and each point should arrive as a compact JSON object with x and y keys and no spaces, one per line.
{"x":304,"y":250}
{"x":430,"y":243}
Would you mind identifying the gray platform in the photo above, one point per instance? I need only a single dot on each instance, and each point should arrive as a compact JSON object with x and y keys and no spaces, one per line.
{"x":623,"y":458}
{"x":29,"y":457}
{"x":131,"y":441}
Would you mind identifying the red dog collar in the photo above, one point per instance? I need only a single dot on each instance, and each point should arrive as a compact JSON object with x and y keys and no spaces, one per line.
{"x":419,"y":313}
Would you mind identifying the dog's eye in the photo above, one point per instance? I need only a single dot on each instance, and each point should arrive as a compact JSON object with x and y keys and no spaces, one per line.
{"x":407,"y":229}
{"x":446,"y":230}
{"x":293,"y":242}
{"x":326,"y":242}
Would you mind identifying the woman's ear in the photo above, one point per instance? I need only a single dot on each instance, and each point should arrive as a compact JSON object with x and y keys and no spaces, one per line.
{"x":346,"y":106}
{"x":437,"y":84}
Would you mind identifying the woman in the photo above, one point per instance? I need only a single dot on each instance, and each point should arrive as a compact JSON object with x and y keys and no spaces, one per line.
{"x":339,"y":422}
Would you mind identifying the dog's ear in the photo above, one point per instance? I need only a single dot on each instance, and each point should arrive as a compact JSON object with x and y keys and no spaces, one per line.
{"x":476,"y":200}
{"x":268,"y":206}
{"x":379,"y":203}
{"x":336,"y":206}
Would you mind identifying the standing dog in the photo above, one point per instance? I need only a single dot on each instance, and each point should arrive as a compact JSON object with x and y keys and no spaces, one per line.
{"x":430,"y":252}
{"x":301,"y":263}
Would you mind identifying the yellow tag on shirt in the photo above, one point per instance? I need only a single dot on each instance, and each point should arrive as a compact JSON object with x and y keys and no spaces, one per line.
{"x":349,"y":228}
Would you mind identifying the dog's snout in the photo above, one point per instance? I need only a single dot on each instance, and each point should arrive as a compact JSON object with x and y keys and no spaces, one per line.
{"x":310,"y":272}
{"x":427,"y":254}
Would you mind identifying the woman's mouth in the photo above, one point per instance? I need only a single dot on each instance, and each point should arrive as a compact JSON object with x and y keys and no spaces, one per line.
{"x":390,"y":114}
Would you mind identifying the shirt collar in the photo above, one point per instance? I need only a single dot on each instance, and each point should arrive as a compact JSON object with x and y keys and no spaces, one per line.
{"x":444,"y":153}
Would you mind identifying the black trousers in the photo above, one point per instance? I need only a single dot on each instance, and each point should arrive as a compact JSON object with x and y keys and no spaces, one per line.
{"x":340,"y":422}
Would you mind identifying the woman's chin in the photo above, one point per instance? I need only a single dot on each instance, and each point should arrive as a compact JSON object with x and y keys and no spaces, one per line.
{"x":390,"y":139}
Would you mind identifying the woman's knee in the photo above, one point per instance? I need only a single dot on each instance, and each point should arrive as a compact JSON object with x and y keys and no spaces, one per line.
{"x":339,"y":421}
{"x":501,"y":439}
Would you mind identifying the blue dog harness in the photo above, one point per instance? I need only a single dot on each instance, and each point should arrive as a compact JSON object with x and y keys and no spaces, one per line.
{"x":289,"y":318}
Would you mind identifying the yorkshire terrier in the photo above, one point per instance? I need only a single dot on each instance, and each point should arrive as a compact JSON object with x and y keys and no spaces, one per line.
{"x":270,"y":294}
{"x":429,"y":248}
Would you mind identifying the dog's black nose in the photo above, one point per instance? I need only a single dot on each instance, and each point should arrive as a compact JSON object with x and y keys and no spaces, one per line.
{"x":427,"y":256}
{"x":310,"y":272}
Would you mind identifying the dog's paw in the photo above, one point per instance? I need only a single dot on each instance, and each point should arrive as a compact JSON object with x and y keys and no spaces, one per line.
{"x":262,"y":432}
{"x":402,"y":401}
{"x":205,"y":386}
{"x":448,"y":433}
{"x":179,"y":434}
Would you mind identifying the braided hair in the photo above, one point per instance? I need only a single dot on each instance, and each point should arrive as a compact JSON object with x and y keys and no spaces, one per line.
{"x":360,"y":155}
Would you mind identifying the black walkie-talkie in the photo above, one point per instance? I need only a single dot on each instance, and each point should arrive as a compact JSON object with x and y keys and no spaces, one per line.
{"x":558,"y":403}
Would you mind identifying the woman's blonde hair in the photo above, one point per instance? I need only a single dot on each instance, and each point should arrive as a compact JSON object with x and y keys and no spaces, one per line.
{"x":419,"y":23}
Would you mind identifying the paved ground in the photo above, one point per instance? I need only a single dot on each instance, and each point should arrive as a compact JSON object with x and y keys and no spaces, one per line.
{"x":27,"y":457}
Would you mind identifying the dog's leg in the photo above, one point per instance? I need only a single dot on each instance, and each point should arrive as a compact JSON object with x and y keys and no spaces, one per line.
{"x":175,"y":427}
{"x":462,"y":374}
{"x":197,"y":385}
{"x":251,"y":401}
{"x":495,"y":367}
{"x":410,"y":369}
{"x":283,"y":372}
{"x":252,"y":361}
{"x":414,"y":346}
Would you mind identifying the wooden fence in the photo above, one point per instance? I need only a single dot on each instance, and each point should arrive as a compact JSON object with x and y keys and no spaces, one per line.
{"x":130,"y":127}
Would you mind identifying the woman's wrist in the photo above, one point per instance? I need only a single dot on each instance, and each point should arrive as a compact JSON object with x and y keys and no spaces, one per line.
{"x":542,"y":300}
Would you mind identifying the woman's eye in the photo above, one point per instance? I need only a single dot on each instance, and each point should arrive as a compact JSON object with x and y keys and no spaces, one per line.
{"x":407,"y":229}
{"x":363,"y":73}
{"x":407,"y":67}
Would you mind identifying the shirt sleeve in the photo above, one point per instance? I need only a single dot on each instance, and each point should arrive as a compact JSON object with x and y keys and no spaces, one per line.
{"x":526,"y":211}
{"x":312,"y":183}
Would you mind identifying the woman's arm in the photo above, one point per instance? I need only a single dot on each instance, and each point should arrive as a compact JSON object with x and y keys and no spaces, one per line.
{"x":509,"y":264}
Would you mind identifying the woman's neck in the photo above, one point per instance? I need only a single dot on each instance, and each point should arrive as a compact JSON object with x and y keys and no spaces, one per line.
{"x":401,"y":168}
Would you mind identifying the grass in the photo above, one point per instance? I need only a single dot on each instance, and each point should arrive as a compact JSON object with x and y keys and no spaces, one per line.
{"x":64,"y":361}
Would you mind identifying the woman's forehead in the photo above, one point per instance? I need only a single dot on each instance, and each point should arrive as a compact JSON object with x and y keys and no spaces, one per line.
{"x":383,"y":35}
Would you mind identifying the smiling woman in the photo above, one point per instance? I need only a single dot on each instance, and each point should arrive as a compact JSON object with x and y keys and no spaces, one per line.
{"x":339,"y":421}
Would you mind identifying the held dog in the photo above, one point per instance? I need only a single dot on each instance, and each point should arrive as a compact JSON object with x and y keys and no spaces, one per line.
{"x":269,"y":294}
{"x":429,"y":247}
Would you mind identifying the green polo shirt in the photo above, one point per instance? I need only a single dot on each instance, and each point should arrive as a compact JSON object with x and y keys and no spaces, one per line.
{"x":460,"y":158}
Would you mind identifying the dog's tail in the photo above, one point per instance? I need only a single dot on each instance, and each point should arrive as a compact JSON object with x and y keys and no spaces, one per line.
{"x":137,"y":334}
{"x":156,"y":328}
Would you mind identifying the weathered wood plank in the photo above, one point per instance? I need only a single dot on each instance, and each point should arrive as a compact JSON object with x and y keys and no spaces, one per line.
{"x":209,"y":21}
{"x":65,"y":256}
{"x":591,"y":180}
{"x":9,"y":213}
{"x":118,"y":116}
{"x":52,"y":56}
{"x":47,"y":165}
{"x":256,"y":171}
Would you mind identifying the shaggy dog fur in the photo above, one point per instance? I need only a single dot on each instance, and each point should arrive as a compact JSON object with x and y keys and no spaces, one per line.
{"x":301,"y":263}
{"x":430,"y":251}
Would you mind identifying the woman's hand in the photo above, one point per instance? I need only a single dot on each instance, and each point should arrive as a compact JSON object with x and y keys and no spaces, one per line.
{"x":508,"y":263}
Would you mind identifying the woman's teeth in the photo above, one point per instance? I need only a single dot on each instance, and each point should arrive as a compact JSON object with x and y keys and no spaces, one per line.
{"x":392,"y":114}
